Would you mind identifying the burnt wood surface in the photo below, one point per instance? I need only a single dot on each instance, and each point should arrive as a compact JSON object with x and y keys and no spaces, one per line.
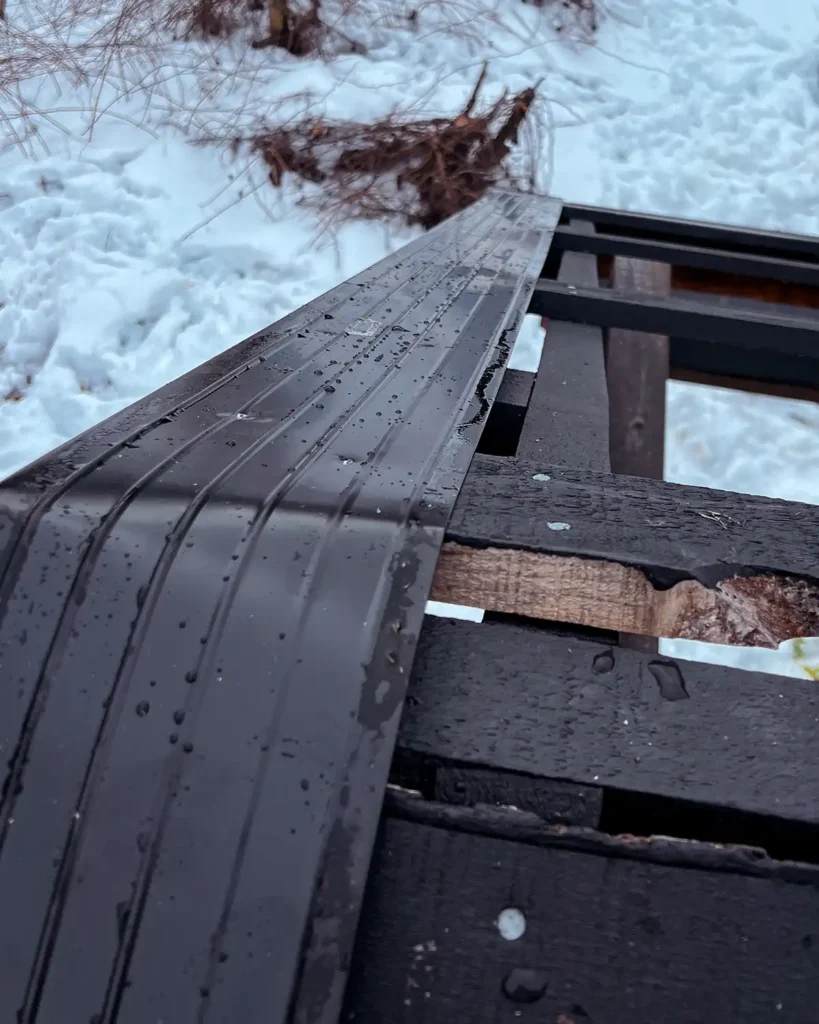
{"x":567,"y":423}
{"x":671,"y":531}
{"x":518,"y":698}
{"x":606,"y":940}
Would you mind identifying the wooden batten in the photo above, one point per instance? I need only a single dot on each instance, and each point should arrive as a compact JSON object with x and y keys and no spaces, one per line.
{"x":753,"y":611}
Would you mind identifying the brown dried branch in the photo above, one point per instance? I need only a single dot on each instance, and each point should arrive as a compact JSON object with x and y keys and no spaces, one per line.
{"x":423,"y":171}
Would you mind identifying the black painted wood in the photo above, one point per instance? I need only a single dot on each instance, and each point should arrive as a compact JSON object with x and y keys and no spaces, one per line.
{"x":699,"y":853}
{"x":793,"y":333}
{"x":505,"y":420}
{"x":615,"y":941}
{"x":521,"y":699}
{"x":671,"y":531}
{"x":515,"y":388}
{"x":680,"y":254}
{"x":553,"y":800}
{"x":567,"y":422}
{"x":725,"y":236}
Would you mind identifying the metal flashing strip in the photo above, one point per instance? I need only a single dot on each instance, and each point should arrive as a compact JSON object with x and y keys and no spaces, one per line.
{"x":209,"y":607}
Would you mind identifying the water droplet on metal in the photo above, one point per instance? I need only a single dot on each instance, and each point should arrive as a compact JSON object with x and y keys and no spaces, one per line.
{"x":669,"y":679}
{"x":190,"y":677}
{"x":143,"y":708}
{"x":305,"y":784}
{"x":603,"y":663}
{"x":187,"y":747}
{"x":179,"y":717}
{"x":523,"y":985}
{"x":511,"y":923}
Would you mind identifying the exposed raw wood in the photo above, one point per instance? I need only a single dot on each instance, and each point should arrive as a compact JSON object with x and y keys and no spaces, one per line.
{"x":758,"y":611}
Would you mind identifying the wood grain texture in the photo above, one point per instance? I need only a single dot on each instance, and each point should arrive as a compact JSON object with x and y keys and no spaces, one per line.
{"x":619,"y":942}
{"x":758,"y":611}
{"x":672,"y":532}
{"x":521,"y":699}
{"x":567,"y":422}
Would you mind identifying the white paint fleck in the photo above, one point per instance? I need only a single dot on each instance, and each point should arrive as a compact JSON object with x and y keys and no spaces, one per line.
{"x":511,"y":923}
{"x":558,"y":526}
{"x":542,"y":478}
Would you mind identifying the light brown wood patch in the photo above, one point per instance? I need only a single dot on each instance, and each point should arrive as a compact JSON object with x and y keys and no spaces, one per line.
{"x":756,"y":611}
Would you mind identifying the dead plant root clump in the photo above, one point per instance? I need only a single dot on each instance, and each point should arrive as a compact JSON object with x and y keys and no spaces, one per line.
{"x":423,"y":171}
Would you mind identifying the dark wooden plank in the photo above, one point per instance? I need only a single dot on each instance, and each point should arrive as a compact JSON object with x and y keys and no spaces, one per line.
{"x":522,"y":699}
{"x":567,"y":420}
{"x":671,"y":531}
{"x":643,"y":225}
{"x":679,"y":254}
{"x":515,"y":388}
{"x":553,"y":800}
{"x":200,"y":726}
{"x":637,"y":371}
{"x":606,"y":941}
{"x":792,"y":333}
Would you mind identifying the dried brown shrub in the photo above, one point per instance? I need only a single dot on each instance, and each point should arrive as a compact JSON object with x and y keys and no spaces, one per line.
{"x":422,"y":171}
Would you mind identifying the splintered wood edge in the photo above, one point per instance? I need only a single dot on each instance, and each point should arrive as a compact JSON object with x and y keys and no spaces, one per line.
{"x":754,"y":611}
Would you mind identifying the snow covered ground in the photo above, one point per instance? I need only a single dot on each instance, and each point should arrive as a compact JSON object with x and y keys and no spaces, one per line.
{"x":128,"y":255}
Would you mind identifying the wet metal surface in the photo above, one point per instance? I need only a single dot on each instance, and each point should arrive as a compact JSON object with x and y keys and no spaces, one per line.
{"x":209,"y":607}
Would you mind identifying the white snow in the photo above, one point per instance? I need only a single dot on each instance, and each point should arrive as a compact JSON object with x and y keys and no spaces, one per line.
{"x":128,"y":255}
